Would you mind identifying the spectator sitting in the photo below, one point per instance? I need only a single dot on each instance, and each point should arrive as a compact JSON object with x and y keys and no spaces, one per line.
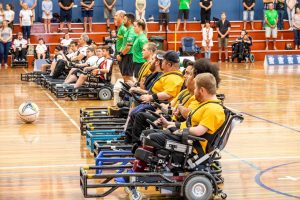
{"x":9,"y":15}
{"x":164,"y":9}
{"x":58,"y":55}
{"x":240,"y":44}
{"x":20,"y":47}
{"x":41,"y":49}
{"x":66,"y":41}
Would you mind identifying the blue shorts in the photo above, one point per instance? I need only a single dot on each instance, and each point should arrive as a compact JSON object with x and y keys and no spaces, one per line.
{"x":65,"y":15}
{"x":87,"y":13}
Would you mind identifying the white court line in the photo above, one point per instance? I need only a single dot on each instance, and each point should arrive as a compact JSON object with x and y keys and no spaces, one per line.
{"x":235,"y":77}
{"x":60,"y":108}
{"x":79,"y":165}
{"x":63,"y":111}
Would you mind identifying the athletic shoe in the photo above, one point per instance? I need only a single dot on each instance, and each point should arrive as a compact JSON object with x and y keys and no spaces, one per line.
{"x":5,"y":65}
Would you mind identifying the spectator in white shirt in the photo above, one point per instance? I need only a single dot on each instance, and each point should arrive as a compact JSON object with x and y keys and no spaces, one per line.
{"x":41,"y":49}
{"x":9,"y":15}
{"x":66,"y":41}
{"x":20,"y":47}
{"x":26,"y":21}
{"x":82,"y":42}
{"x":207,"y":42}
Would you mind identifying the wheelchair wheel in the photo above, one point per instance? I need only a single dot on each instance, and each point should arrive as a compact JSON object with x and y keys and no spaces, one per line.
{"x":136,"y":195}
{"x":198,"y":188}
{"x":74,"y":97}
{"x":105,"y":94}
{"x":251,"y":58}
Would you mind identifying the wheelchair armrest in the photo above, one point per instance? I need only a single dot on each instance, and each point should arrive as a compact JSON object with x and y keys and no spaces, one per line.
{"x":187,"y":136}
{"x":153,"y":113}
{"x":153,"y":125}
{"x":132,"y":95}
{"x":125,"y":85}
{"x":200,"y":139}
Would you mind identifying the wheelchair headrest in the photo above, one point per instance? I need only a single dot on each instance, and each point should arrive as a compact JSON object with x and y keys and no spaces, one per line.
{"x":222,"y":135}
{"x":188,"y":42}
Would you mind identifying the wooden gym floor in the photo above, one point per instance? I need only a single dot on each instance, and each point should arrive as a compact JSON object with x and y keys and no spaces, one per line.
{"x":261,"y":160}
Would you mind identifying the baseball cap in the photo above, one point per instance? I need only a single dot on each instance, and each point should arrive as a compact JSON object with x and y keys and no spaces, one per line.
{"x":171,"y":56}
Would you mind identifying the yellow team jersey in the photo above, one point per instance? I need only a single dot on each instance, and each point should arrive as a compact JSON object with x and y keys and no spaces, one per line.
{"x":209,"y":114}
{"x":144,"y":71}
{"x":170,"y":83}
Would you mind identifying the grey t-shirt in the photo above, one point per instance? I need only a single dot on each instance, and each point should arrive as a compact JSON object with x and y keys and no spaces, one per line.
{"x":5,"y":33}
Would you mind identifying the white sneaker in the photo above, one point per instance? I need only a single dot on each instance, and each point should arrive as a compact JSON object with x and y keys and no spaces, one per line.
{"x":291,"y":28}
{"x":5,"y":65}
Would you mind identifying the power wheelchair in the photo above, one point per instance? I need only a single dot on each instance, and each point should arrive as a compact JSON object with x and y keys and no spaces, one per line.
{"x":195,"y":177}
{"x":244,"y":54}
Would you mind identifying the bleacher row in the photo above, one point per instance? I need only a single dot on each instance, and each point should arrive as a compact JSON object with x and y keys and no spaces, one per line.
{"x":172,"y":39}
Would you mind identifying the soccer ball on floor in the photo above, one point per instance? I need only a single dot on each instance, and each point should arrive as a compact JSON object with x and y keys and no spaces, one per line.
{"x":28,"y":112}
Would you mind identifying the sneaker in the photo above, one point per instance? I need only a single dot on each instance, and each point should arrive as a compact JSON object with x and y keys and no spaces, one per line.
{"x":5,"y":65}
{"x":226,"y":60}
{"x":23,"y":60}
{"x":16,"y":60}
{"x":220,"y":60}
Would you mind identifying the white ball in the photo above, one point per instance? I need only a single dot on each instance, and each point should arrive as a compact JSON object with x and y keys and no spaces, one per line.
{"x":28,"y":112}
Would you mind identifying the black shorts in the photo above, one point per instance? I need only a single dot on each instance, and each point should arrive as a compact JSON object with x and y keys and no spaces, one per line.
{"x":87,"y":13}
{"x":185,"y":13}
{"x":65,"y":15}
{"x":127,"y":65}
{"x":136,"y":69}
{"x":205,"y":16}
{"x":164,"y":18}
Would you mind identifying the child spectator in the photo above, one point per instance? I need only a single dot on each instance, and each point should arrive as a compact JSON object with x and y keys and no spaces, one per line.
{"x":47,"y":7}
{"x":140,"y":9}
{"x":66,"y":41}
{"x":164,"y":10}
{"x":9,"y":15}
{"x":41,"y":49}
{"x":296,"y":24}
{"x":26,"y":21}
{"x":207,"y":42}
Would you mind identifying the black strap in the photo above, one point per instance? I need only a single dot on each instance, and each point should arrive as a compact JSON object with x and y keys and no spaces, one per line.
{"x":164,"y":75}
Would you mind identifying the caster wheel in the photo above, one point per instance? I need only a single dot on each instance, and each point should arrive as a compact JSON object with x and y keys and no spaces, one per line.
{"x":136,"y":196}
{"x":223,"y":195}
{"x":74,"y":97}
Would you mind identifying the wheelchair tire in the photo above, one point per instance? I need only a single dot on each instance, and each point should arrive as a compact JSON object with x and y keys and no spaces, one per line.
{"x":105,"y":94}
{"x":198,"y":188}
{"x":251,"y":58}
{"x":74,"y":97}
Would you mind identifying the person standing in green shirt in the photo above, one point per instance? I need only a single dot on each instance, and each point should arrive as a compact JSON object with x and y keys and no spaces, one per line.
{"x":119,"y":22}
{"x":271,"y":19}
{"x":184,"y":10}
{"x":125,"y":55}
{"x":137,"y":48}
